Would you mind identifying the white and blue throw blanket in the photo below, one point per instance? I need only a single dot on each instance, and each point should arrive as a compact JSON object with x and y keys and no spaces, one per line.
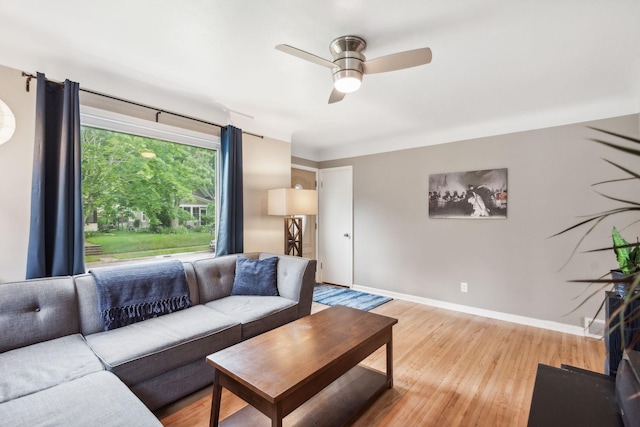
{"x":129,"y":294}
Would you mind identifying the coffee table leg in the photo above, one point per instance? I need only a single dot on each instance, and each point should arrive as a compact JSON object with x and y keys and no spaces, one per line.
{"x":216,"y":394}
{"x":390,"y":362}
{"x":276,"y":416}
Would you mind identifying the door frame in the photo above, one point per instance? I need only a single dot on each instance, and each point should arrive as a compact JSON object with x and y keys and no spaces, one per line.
{"x":351,"y":240}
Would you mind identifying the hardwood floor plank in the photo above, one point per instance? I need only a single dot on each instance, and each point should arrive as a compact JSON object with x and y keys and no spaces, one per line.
{"x":450,"y":369}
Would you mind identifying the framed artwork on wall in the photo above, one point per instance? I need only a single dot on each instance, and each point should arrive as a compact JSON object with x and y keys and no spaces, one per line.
{"x":473,"y":194}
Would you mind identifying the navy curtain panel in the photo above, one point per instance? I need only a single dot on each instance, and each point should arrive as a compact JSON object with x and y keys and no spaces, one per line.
{"x":230,"y":237}
{"x":56,"y":240}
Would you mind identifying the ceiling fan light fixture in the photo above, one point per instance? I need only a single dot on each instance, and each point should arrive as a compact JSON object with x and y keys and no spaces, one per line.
{"x":347,"y":81}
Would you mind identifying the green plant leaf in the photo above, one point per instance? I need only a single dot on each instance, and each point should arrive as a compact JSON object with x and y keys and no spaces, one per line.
{"x":619,"y":135}
{"x":609,"y":181}
{"x":618,"y":147}
{"x":622,"y":168}
{"x":622,"y":251}
{"x":615,"y":199}
{"x":635,"y":257}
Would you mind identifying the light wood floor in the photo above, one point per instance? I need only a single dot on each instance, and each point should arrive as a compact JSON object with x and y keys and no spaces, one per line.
{"x":450,"y":369}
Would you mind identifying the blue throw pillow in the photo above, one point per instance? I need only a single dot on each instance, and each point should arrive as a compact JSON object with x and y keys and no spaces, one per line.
{"x":255,"y":277}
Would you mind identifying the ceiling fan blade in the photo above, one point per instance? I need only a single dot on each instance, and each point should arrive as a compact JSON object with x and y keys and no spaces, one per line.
{"x":398,"y":61}
{"x":336,"y":96}
{"x":304,"y":55}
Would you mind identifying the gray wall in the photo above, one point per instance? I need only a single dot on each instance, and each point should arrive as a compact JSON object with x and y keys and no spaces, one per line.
{"x":511,"y":265}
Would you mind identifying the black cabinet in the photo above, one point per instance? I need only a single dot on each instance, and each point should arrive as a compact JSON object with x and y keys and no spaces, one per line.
{"x":613,"y":337}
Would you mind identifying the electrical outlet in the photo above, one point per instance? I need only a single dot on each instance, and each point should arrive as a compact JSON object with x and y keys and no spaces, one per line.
{"x":594,"y":328}
{"x":464,"y":287}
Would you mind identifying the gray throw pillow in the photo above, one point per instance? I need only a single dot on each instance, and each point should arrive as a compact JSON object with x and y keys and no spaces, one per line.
{"x":255,"y":277}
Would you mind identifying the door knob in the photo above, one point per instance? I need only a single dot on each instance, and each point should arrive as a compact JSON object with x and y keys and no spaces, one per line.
{"x":346,"y":234}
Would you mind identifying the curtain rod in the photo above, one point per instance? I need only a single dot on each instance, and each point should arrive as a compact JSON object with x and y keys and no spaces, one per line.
{"x":137,"y":104}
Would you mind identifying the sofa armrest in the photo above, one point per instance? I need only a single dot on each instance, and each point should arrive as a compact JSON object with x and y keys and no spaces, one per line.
{"x":296,"y":280}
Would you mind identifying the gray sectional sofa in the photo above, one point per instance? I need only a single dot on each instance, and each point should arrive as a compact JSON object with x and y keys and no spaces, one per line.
{"x":59,"y":367}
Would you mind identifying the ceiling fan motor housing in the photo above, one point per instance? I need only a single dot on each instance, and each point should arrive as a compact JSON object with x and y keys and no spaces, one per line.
{"x":348,"y":57}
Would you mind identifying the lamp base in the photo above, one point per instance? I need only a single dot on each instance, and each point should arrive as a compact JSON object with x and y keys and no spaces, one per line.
{"x":293,"y":236}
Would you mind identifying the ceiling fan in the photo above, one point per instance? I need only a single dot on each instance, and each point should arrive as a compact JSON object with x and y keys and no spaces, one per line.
{"x":349,"y":64}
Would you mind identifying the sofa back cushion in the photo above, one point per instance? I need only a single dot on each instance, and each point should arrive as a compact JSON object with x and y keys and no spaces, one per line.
{"x":215,"y":277}
{"x":37,"y":310}
{"x":88,"y":299}
{"x":194,"y":291}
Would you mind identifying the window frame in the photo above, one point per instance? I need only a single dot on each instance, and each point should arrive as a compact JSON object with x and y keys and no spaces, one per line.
{"x":115,"y":122}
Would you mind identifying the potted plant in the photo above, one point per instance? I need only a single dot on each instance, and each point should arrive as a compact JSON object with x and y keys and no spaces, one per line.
{"x":628,"y":256}
{"x":623,"y":315}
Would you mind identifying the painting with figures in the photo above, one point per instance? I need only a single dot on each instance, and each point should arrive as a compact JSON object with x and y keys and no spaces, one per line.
{"x":473,"y":194}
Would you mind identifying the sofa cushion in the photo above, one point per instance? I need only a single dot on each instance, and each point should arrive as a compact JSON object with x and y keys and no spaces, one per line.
{"x":255,"y":277}
{"x":143,"y":350}
{"x":43,"y":365}
{"x":37,"y":310}
{"x":98,"y":399}
{"x":216,"y":275}
{"x":257,"y":314}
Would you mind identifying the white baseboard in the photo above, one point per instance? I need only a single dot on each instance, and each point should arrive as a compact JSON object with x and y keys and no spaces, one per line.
{"x":513,"y":318}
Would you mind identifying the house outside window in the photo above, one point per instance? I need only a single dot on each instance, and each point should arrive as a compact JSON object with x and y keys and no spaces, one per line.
{"x":199,"y":213}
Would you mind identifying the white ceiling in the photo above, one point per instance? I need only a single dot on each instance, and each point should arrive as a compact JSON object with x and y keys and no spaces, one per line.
{"x":498,"y":66}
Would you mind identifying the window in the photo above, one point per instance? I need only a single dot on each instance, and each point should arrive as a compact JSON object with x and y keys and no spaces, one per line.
{"x":145,"y":196}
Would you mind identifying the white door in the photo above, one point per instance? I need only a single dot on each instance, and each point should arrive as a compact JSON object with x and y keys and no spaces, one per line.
{"x":335,"y":225}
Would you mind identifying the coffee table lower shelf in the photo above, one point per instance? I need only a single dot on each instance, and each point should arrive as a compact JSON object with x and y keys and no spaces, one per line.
{"x":338,"y":404}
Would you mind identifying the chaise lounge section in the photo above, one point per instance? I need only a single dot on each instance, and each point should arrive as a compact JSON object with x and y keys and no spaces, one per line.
{"x":58,"y":364}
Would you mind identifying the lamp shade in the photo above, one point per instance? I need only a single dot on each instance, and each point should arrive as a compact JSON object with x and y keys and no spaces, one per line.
{"x":7,"y":123}
{"x":289,"y":201}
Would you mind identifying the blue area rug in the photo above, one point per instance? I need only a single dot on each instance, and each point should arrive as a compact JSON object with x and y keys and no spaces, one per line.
{"x":332,"y":295}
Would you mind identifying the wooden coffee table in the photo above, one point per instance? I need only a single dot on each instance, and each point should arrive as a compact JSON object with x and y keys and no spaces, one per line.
{"x":307,"y":368}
